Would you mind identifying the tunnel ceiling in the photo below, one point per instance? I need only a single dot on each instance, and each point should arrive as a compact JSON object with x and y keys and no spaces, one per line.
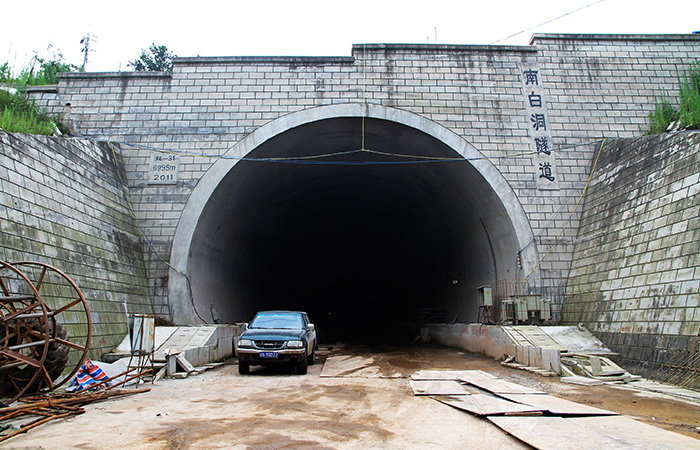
{"x":361,"y":243}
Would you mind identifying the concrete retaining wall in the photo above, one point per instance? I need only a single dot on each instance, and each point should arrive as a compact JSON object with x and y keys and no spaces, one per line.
{"x":635,"y":277}
{"x":62,"y":203}
{"x":485,"y":339}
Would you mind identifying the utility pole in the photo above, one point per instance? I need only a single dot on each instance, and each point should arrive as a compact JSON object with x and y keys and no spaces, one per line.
{"x":86,"y":48}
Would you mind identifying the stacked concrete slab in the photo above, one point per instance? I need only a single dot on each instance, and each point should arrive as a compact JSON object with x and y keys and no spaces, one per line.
{"x":200,"y":345}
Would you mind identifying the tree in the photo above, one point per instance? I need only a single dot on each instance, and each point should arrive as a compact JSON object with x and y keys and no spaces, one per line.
{"x":156,"y":59}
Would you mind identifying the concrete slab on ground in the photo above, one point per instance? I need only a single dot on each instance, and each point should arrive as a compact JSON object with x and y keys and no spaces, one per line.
{"x":556,"y":405}
{"x":449,"y":374}
{"x":487,"y":405}
{"x":437,"y":387}
{"x":498,"y":386}
{"x":592,"y":433}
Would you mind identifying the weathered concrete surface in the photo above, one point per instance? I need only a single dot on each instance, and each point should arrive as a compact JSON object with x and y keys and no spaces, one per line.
{"x":488,"y":340}
{"x":271,"y":409}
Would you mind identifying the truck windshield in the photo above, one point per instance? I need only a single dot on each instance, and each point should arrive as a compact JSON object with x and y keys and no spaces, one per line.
{"x":279,"y":321}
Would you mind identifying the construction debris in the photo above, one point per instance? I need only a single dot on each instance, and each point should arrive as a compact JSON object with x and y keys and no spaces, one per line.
{"x":595,"y":367}
{"x":546,"y":422}
{"x":564,"y":351}
{"x":48,"y":407}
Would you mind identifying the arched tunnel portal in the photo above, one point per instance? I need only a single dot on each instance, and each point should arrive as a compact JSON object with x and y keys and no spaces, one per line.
{"x":365,"y":242}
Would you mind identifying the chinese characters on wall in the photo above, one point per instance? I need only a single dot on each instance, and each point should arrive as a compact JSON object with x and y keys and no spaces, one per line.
{"x":539,"y":127}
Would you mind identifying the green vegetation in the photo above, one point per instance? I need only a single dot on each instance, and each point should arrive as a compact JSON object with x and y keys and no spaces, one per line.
{"x":156,"y":59}
{"x":18,"y":114}
{"x":687,"y":116}
{"x":690,"y":99}
{"x":662,"y":117}
{"x":39,"y":72}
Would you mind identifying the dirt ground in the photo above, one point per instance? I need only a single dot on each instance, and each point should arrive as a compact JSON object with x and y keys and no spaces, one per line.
{"x":274,"y":409}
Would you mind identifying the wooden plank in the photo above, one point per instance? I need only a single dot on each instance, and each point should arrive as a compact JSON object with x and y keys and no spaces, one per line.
{"x":488,"y":405}
{"x":437,"y":387}
{"x":592,"y":433}
{"x":498,"y":386}
{"x":556,"y":405}
{"x":450,"y":374}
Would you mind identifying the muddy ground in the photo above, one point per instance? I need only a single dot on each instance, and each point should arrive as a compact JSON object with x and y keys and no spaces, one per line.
{"x":273,"y":409}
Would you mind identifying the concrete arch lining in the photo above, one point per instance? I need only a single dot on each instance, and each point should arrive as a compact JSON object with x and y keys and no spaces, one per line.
{"x":179,"y":291}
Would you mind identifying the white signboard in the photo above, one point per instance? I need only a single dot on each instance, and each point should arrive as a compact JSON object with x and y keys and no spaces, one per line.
{"x":164,"y":168}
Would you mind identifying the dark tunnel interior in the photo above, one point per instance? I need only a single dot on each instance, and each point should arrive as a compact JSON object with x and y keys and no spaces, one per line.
{"x":366,"y":249}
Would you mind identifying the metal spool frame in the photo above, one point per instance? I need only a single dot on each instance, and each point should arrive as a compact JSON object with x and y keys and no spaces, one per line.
{"x":29,"y":325}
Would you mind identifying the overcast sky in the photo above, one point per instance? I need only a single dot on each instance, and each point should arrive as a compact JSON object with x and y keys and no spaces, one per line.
{"x":309,"y":27}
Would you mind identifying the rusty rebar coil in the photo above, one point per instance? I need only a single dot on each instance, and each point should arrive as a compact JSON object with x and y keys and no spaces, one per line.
{"x":37,"y":303}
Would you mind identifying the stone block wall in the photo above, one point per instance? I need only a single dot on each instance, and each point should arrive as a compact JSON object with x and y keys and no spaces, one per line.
{"x":635,"y":277}
{"x":602,"y":86}
{"x":62,"y":203}
{"x":605,"y":86}
{"x":46,"y":97}
{"x":591,"y":87}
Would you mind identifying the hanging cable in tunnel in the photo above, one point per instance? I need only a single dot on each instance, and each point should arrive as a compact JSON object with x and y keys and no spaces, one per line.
{"x":319,"y":158}
{"x":310,"y":159}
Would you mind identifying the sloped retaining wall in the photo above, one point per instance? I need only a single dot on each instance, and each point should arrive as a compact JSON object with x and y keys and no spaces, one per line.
{"x":62,"y":203}
{"x":635,"y":277}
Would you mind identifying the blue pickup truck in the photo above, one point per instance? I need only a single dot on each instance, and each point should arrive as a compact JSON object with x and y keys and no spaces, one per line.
{"x":277,"y":337}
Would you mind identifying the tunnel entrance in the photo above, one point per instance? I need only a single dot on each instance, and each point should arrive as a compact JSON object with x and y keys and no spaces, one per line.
{"x":366,"y":243}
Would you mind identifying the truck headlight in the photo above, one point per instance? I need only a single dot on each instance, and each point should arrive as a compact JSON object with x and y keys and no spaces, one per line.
{"x":295,"y":344}
{"x":245,"y":343}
